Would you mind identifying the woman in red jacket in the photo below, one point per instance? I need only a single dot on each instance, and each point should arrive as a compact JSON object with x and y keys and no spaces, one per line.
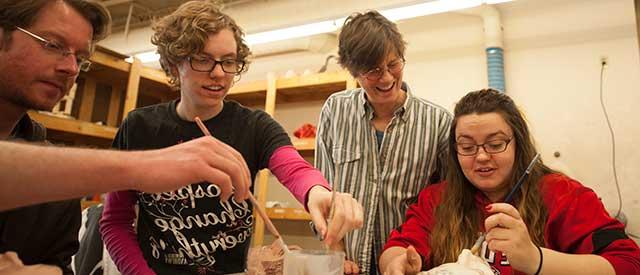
{"x":554,"y":225}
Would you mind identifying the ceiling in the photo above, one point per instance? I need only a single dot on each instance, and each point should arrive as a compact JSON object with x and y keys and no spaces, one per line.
{"x":143,"y":11}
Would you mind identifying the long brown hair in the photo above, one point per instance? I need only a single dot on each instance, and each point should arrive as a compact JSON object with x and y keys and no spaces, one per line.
{"x":457,"y":217}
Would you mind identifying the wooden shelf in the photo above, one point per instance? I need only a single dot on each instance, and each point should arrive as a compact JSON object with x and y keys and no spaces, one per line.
{"x":305,"y":88}
{"x":74,"y":126}
{"x":293,"y":214}
{"x":105,"y":57}
{"x":253,"y":93}
{"x":311,"y":87}
{"x":306,"y":146}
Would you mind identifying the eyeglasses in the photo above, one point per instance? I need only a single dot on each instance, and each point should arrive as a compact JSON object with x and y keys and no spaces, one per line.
{"x":230,"y":66}
{"x":394,"y":67}
{"x":83,"y":63}
{"x":490,"y":147}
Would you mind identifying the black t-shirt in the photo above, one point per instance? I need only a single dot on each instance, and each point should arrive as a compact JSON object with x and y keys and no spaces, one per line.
{"x":190,"y":230}
{"x":45,"y":233}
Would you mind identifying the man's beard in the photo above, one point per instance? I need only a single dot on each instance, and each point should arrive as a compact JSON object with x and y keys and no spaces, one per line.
{"x":18,"y":98}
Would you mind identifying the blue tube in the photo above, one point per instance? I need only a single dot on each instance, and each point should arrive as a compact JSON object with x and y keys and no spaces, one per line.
{"x":495,"y":68}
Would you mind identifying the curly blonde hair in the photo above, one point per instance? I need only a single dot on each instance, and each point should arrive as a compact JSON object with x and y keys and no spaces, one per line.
{"x":185,"y":32}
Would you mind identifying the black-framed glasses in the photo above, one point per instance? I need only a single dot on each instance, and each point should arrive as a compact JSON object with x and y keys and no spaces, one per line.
{"x":83,"y":62}
{"x":490,"y":147}
{"x":205,"y":64}
{"x":394,"y":67}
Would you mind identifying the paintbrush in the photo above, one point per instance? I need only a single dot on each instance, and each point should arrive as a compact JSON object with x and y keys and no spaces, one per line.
{"x":256,"y":205}
{"x":476,"y":246}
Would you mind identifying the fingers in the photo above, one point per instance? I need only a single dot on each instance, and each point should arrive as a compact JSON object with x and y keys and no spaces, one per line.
{"x":242,"y":187}
{"x":500,"y":245}
{"x":351,"y":267}
{"x":504,"y":208}
{"x":243,"y":183}
{"x":319,"y":204}
{"x":9,"y":260}
{"x":222,"y":179}
{"x":357,"y":212}
{"x":414,"y":261}
{"x":347,"y":216}
{"x":220,"y":156}
{"x":338,"y":220}
{"x":221,"y":170}
{"x":507,"y":232}
{"x":505,"y":216}
{"x":13,"y":258}
{"x":498,"y":233}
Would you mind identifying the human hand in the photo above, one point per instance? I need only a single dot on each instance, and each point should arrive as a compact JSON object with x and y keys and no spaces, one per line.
{"x":351,"y":267}
{"x":347,"y":214}
{"x":9,"y":260}
{"x":10,"y":264}
{"x":201,"y":159}
{"x":507,"y":233}
{"x":408,"y":262}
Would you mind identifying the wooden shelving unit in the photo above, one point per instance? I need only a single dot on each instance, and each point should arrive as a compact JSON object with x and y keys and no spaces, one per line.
{"x":290,"y":214}
{"x":104,"y":96}
{"x":81,"y":128}
{"x":272,"y":91}
{"x":305,"y":146}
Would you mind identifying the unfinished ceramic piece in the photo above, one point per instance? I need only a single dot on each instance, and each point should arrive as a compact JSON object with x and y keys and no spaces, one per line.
{"x":467,"y":264}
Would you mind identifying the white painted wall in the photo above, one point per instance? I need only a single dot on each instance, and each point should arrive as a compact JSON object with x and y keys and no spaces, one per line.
{"x":552,"y":54}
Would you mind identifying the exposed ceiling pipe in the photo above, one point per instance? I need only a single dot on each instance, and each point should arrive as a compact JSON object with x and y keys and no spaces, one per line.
{"x":637,"y":4}
{"x":229,"y":4}
{"x":320,"y":43}
{"x":110,"y":3}
{"x":126,"y":26}
{"x":493,"y":44}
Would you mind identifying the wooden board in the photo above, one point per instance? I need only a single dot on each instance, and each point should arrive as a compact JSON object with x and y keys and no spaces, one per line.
{"x":294,"y":214}
{"x":74,"y":126}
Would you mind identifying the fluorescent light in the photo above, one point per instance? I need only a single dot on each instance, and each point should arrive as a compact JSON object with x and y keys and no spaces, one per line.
{"x":394,"y":14}
{"x":428,"y":8}
{"x":145,"y":57}
{"x":148,"y":57}
{"x":292,"y":32}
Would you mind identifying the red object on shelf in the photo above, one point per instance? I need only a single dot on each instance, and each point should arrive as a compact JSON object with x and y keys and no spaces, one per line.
{"x":305,"y":131}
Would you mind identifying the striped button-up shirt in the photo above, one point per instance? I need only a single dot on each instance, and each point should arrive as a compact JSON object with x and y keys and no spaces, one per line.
{"x":384,"y":181}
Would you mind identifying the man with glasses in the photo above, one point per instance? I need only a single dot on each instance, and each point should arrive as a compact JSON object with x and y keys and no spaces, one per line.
{"x":43,"y":47}
{"x":193,"y":230}
{"x":378,"y":142}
